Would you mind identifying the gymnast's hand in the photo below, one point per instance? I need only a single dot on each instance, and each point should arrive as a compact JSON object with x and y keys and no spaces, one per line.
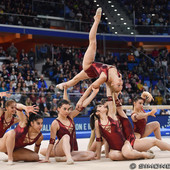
{"x":152,"y":113}
{"x":34,"y":109}
{"x":147,"y":96}
{"x":79,"y":105}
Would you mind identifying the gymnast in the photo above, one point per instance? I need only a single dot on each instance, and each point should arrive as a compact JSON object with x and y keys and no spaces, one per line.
{"x":139,"y":117}
{"x":122,"y":142}
{"x":91,"y":69}
{"x":27,"y":132}
{"x":7,"y":116}
{"x":66,"y":148}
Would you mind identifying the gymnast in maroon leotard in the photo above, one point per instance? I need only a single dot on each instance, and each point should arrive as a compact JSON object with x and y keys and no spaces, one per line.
{"x":113,"y":134}
{"x":22,"y":138}
{"x":139,"y":125}
{"x":26,"y":133}
{"x":91,"y":69}
{"x":4,"y":125}
{"x":63,"y":127}
{"x":69,"y":130}
{"x":139,"y":118}
{"x":10,"y":116}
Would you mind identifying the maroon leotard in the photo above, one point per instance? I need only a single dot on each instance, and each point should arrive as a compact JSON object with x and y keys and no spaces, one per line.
{"x":64,"y":130}
{"x":113,"y":134}
{"x":139,"y":125}
{"x":3,"y":122}
{"x":20,"y":138}
{"x":96,"y":69}
{"x":127,"y":129}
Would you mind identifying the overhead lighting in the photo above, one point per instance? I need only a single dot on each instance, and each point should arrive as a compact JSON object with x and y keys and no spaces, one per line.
{"x":109,"y":2}
{"x":122,"y":19}
{"x":109,"y":23}
{"x":115,"y":10}
{"x":132,"y":33}
{"x":112,"y":6}
{"x":115,"y":32}
{"x":128,"y":28}
{"x":118,"y":14}
{"x":113,"y":28}
{"x":153,"y":15}
{"x":103,"y":13}
{"x":124,"y":23}
{"x":94,"y":0}
{"x":106,"y":18}
{"x":97,"y":5}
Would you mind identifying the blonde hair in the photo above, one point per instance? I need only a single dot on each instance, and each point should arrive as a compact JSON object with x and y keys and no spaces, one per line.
{"x":9,"y":103}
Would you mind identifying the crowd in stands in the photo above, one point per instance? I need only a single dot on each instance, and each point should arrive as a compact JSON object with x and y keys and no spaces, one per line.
{"x":150,"y":13}
{"x":141,"y":71}
{"x":78,"y":14}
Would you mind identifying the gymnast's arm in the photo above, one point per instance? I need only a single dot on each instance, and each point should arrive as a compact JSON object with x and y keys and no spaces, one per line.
{"x":99,"y":142}
{"x":53,"y":131}
{"x":110,"y":103}
{"x":96,"y":85}
{"x":85,"y":103}
{"x":141,"y":115}
{"x":37,"y":144}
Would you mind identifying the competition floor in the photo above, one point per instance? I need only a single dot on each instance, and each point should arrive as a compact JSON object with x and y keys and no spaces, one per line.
{"x":161,"y":157}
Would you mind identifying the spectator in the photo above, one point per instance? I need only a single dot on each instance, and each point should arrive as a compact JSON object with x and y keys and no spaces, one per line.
{"x":155,"y":91}
{"x":160,"y":86}
{"x":12,"y":51}
{"x":159,"y":99}
{"x":31,"y":57}
{"x":53,"y":112}
{"x":42,"y":83}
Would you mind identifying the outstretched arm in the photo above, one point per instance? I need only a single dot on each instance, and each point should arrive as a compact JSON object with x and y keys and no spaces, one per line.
{"x":141,"y":115}
{"x":95,"y":85}
{"x":85,"y":103}
{"x":34,"y":109}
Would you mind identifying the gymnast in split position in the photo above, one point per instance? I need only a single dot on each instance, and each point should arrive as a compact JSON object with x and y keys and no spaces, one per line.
{"x":91,"y":69}
{"x":139,"y":117}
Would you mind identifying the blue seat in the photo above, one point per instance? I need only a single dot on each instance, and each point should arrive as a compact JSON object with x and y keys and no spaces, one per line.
{"x":154,"y":82}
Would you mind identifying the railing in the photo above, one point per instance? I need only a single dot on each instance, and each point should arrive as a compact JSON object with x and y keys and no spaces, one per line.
{"x":60,"y":22}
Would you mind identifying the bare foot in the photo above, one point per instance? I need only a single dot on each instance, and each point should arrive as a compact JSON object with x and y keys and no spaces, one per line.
{"x":98,"y":15}
{"x":70,"y":161}
{"x":10,"y":163}
{"x":60,"y":86}
{"x":149,"y":155}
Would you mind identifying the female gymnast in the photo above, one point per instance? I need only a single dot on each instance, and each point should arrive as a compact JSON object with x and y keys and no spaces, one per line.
{"x":7,"y":116}
{"x":26,"y":133}
{"x":91,"y":69}
{"x":121,"y":141}
{"x":107,"y":126}
{"x":139,"y":118}
{"x":66,"y":149}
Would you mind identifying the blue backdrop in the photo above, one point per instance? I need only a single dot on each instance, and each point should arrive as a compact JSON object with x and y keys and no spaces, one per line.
{"x":82,"y":125}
